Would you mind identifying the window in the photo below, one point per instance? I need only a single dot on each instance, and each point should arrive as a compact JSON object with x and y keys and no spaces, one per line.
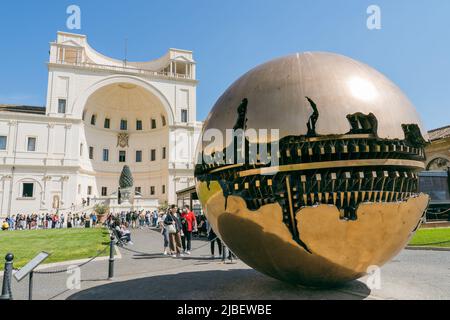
{"x":123,"y":125}
{"x":84,"y":115}
{"x":94,"y":119}
{"x":153,"y":155}
{"x":184,"y":115}
{"x":122,"y":156}
{"x":89,"y":191}
{"x":31,"y":144}
{"x":138,"y":125}
{"x":104,"y":191}
{"x":163,"y":120}
{"x":164,"y":189}
{"x":164,"y":155}
{"x":107,"y":123}
{"x":139,"y":156}
{"x":79,"y":188}
{"x":91,"y":153}
{"x":27,"y":190}
{"x":105,"y":155}
{"x":3,"y":141}
{"x":62,"y":105}
{"x":137,"y":190}
{"x":153,"y":124}
{"x":81,"y":149}
{"x":152,"y":191}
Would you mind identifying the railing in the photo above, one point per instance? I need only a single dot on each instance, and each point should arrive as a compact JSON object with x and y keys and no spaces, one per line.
{"x":126,"y":69}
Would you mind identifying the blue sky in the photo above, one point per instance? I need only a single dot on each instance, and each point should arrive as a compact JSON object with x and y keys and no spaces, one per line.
{"x":230,"y":37}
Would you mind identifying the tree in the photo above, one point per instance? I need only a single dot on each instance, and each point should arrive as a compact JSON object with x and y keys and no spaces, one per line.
{"x":126,"y":179}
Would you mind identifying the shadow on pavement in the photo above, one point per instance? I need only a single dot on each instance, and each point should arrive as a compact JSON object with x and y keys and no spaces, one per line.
{"x":218,"y":285}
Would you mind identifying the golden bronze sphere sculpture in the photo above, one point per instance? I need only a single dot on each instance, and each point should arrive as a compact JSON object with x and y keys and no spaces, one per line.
{"x":337,"y":190}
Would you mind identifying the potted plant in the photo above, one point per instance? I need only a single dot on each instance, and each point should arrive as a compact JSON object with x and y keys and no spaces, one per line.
{"x":101,"y":210}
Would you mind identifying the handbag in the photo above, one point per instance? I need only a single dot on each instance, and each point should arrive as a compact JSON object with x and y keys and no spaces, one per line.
{"x":171,"y":229}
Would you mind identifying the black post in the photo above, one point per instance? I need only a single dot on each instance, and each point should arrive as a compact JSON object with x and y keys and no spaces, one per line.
{"x":30,"y":286}
{"x":224,"y":253}
{"x":111,"y":258}
{"x":7,"y":277}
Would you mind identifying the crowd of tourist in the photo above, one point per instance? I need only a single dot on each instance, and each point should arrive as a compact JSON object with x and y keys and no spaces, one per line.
{"x":48,"y":221}
{"x":177,"y":226}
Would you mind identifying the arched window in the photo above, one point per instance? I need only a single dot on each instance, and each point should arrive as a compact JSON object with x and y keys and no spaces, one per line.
{"x":438,"y":164}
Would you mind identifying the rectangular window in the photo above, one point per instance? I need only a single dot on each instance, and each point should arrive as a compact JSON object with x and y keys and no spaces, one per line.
{"x":105,"y":155}
{"x":164,"y":189}
{"x":163,"y":120}
{"x":153,"y":123}
{"x":122,"y":156}
{"x":107,"y":123}
{"x":137,"y":190}
{"x":138,"y":125}
{"x":89,"y":191}
{"x":94,"y":119}
{"x":184,"y":115}
{"x":164,"y":155}
{"x":153,"y":155}
{"x":123,"y":125}
{"x":62,"y":105}
{"x":79,"y":189}
{"x":81,"y":149}
{"x":3,"y":141}
{"x":91,"y":153}
{"x":31,"y":144}
{"x":27,"y":190}
{"x":104,"y":191}
{"x":152,"y":191}
{"x":139,"y":156}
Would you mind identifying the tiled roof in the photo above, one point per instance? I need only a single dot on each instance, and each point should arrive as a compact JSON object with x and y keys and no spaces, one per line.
{"x":22,"y":109}
{"x":440,"y":133}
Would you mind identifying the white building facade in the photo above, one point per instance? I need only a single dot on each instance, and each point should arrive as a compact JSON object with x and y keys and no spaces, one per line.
{"x":100,"y":115}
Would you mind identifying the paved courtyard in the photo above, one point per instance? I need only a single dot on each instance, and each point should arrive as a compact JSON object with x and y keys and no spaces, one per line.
{"x":411,"y":275}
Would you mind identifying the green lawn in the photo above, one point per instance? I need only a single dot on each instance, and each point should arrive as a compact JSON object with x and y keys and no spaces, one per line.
{"x":63,"y":244}
{"x":434,"y":237}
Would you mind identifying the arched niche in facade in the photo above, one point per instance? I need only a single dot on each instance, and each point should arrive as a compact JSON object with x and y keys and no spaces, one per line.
{"x":438,"y":163}
{"x":80,"y":103}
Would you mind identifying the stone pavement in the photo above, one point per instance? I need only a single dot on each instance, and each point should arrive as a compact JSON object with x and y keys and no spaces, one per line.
{"x":411,"y":275}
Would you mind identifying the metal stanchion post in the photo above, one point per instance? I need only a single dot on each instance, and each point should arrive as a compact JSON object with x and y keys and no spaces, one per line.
{"x":30,"y":286}
{"x":111,"y":259}
{"x":224,"y":253}
{"x":7,"y":277}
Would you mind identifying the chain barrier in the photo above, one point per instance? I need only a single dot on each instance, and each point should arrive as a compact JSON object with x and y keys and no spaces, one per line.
{"x":429,"y":244}
{"x":77,"y":266}
{"x":148,"y":253}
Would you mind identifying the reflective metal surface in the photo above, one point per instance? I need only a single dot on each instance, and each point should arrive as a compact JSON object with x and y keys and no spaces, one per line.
{"x":341,"y":250}
{"x":343,"y":193}
{"x":338,"y":85}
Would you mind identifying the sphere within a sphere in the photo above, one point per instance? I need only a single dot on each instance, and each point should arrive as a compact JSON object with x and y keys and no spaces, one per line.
{"x":339,"y":193}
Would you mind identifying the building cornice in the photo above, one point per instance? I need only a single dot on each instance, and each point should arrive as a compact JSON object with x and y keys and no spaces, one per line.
{"x":120,"y":70}
{"x":8,"y":115}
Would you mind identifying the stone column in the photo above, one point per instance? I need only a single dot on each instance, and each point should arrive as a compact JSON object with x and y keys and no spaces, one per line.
{"x":64,"y":179}
{"x":6,"y":196}
{"x":50,"y":138}
{"x":67,"y":141}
